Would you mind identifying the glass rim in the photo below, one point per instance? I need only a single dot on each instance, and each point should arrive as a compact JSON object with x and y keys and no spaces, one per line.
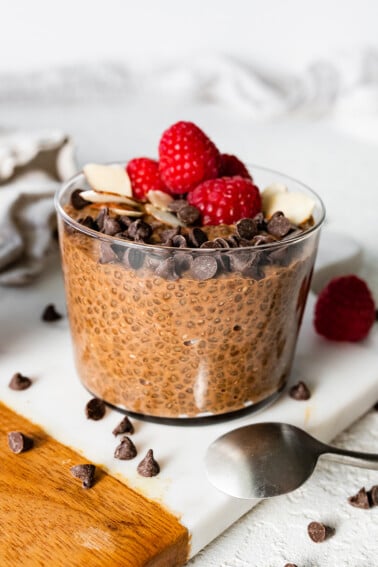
{"x":144,"y":246}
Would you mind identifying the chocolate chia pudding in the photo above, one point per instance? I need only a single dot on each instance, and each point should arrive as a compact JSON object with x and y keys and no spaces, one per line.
{"x":183,"y":321}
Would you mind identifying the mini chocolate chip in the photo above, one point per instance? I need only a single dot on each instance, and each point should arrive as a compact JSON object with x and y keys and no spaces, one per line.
{"x":111,"y":226}
{"x":133,"y":258}
{"x":373,"y":493}
{"x":102,"y":215}
{"x":95,"y":409}
{"x":183,"y":262}
{"x":77,"y":201}
{"x":107,"y":253}
{"x":210,"y":244}
{"x":89,"y":222}
{"x":197,"y":237}
{"x":222,"y":242}
{"x":261,"y":239}
{"x":241,"y":259}
{"x":126,"y":450}
{"x":223,"y":261}
{"x":50,"y":314}
{"x":360,"y":500}
{"x":233,"y":241}
{"x":260,"y":221}
{"x":19,"y":382}
{"x":319,"y":532}
{"x":300,"y":391}
{"x":293,"y":233}
{"x":204,"y":267}
{"x":279,"y":225}
{"x":246,"y":228}
{"x":18,"y":442}
{"x":167,"y":269}
{"x":139,"y":230}
{"x":177,"y":204}
{"x":188,"y":214}
{"x":280,"y":256}
{"x":124,"y":426}
{"x":254,"y":272}
{"x":125,"y":220}
{"x":85,"y":473}
{"x":169,"y":233}
{"x":179,"y":241}
{"x":148,"y":466}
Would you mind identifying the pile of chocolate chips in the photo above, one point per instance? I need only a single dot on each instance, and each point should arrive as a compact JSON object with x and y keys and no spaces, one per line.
{"x":246,"y":233}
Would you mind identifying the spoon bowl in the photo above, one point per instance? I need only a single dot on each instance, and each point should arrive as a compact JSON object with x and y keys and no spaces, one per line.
{"x":269,"y":459}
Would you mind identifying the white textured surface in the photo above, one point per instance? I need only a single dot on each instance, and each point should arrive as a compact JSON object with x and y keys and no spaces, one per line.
{"x":342,"y":169}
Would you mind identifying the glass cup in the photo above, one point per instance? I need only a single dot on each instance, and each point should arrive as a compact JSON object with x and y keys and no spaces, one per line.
{"x":158,"y":338}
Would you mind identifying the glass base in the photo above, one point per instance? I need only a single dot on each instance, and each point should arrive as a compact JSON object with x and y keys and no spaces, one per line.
{"x":200,"y":420}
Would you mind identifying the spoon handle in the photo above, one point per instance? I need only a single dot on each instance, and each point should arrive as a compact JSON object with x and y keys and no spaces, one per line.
{"x":354,"y":458}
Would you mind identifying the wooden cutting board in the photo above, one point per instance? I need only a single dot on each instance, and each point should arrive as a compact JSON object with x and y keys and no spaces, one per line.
{"x":48,"y":519}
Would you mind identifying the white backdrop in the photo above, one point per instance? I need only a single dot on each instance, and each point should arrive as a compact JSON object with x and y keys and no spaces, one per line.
{"x":42,"y":33}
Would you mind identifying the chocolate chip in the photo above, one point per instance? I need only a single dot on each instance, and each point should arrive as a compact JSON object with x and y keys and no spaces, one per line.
{"x":89,"y":222}
{"x":102,"y":215}
{"x":179,"y":241}
{"x":246,"y":228}
{"x":373,"y":495}
{"x":77,"y":201}
{"x":126,"y":450}
{"x":319,"y":532}
{"x":223,"y":261}
{"x":204,"y":267}
{"x":139,"y":230}
{"x":148,"y":466}
{"x":169,"y":233}
{"x":261,"y":239}
{"x":300,"y":391}
{"x":107,"y":253}
{"x":241,"y":259}
{"x":18,"y":442}
{"x":221,"y":242}
{"x":210,"y":244}
{"x":85,"y":473}
{"x":133,"y":258}
{"x":188,"y":214}
{"x":111,"y":226}
{"x":280,"y":256}
{"x":124,"y":426}
{"x":125,"y":221}
{"x":19,"y":382}
{"x":167,"y":269}
{"x":260,"y":221}
{"x":360,"y":500}
{"x":183,"y":262}
{"x":177,"y":204}
{"x":290,"y":565}
{"x":254,"y":272}
{"x":233,"y":241}
{"x":50,"y":314}
{"x":279,"y":225}
{"x":95,"y":409}
{"x":197,"y":237}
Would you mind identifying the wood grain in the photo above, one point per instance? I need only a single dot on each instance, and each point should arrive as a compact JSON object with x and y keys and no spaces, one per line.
{"x":47,"y":518}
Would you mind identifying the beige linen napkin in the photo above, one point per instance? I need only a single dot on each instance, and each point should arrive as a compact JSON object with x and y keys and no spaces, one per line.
{"x":32,"y":166}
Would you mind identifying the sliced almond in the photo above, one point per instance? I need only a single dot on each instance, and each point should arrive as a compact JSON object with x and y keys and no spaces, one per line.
{"x":268,"y":194}
{"x":159,"y":199}
{"x":127,"y":212}
{"x":297,"y":207}
{"x":163,"y":216}
{"x":97,"y":197}
{"x":108,"y":179}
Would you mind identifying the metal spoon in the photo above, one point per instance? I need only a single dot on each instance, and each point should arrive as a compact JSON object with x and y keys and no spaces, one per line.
{"x":268,"y":459}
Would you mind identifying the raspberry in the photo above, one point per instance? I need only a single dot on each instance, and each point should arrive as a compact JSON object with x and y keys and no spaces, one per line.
{"x":226,"y":200}
{"x":144,"y":176}
{"x":344,"y":310}
{"x":231,"y":165}
{"x":187,"y":157}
